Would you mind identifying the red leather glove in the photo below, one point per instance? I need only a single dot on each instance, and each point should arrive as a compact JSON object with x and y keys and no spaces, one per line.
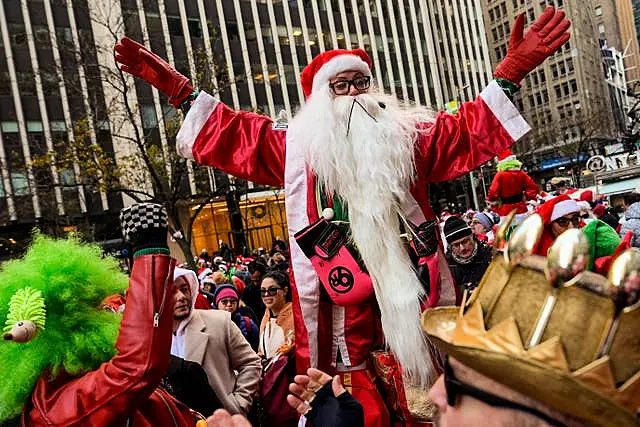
{"x":138,"y":60}
{"x":547,"y":34}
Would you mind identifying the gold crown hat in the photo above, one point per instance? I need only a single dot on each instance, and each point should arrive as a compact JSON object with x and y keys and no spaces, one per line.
{"x":550,"y":331}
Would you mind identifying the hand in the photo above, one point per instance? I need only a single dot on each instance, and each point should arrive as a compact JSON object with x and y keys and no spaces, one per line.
{"x":222,"y":418}
{"x":305,"y":387}
{"x":144,"y":225}
{"x":138,"y":60}
{"x":547,"y":34}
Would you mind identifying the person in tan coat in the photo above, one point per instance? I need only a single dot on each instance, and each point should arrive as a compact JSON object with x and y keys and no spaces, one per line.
{"x":211,"y":339}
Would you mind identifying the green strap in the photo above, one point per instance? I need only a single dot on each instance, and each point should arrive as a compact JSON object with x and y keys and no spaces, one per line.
{"x":152,"y":251}
{"x":510,"y":88}
{"x":186,"y":104}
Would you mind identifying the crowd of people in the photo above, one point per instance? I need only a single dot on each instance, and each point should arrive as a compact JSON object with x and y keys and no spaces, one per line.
{"x":347,"y":303}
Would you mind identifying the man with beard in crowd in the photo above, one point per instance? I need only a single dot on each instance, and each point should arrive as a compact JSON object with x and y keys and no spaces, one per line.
{"x":355,"y":156}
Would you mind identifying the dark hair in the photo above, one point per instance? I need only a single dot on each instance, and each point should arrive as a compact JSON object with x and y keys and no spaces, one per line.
{"x":631,"y":198}
{"x":258,"y":266}
{"x":281,"y":279}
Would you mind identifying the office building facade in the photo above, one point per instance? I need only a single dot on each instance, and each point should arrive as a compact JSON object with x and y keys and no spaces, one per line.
{"x":567,"y":100}
{"x":55,"y":53}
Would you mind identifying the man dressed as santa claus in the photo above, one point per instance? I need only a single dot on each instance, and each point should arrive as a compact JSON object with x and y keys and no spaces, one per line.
{"x":355,"y":164}
{"x":511,"y":187}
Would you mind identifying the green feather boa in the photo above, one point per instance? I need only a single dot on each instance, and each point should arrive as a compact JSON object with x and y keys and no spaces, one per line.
{"x":73,"y":279}
{"x":509,"y":164}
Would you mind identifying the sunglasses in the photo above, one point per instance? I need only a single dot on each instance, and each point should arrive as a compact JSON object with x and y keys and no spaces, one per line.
{"x":271,"y":291}
{"x":455,"y":388}
{"x":564,"y":222}
{"x":228,"y":301}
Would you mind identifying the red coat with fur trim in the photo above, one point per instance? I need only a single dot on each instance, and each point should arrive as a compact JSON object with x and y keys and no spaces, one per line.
{"x":511,"y":184}
{"x":253,"y":147}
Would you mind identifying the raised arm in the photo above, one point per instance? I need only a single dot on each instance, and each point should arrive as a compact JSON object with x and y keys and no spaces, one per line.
{"x":243,"y":144}
{"x":453,"y":145}
{"x":113,"y":392}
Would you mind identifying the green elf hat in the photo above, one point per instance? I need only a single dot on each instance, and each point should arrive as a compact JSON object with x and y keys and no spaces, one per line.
{"x":603,"y":240}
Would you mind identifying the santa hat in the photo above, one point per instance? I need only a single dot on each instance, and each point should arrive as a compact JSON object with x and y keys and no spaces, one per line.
{"x":557,"y":207}
{"x":328,"y":64}
{"x":506,"y":155}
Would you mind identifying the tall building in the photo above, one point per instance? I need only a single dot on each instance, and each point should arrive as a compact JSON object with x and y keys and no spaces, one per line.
{"x":614,"y":21}
{"x":57,"y":69}
{"x":567,"y":100}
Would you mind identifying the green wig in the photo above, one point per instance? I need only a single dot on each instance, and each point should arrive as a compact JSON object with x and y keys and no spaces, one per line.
{"x":74,"y":335}
{"x":509,"y":164}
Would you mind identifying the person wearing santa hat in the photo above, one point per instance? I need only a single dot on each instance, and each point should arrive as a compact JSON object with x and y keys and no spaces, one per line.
{"x":511,"y":187}
{"x":356,"y":161}
{"x":559,"y":214}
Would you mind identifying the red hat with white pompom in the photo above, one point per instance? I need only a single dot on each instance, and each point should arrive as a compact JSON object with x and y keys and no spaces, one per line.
{"x":506,"y":155}
{"x":328,"y":64}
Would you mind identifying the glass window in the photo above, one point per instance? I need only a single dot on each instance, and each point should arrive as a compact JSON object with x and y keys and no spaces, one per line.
{"x":598,"y":10}
{"x":58,"y":126}
{"x":195,"y":29}
{"x":9,"y":127}
{"x":19,"y":184}
{"x":148,"y":113}
{"x":34,"y":127}
{"x":175,"y":26}
{"x":601,"y":28}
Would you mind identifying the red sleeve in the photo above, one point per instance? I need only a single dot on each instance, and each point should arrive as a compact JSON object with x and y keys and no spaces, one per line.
{"x":494,"y":190}
{"x":240,"y":143}
{"x":119,"y":387}
{"x":453,"y":145}
{"x":531,"y":189}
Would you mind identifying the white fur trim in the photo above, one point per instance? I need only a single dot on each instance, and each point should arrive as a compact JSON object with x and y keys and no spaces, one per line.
{"x":307,"y":283}
{"x":198,"y":114}
{"x":504,"y":110}
{"x":563,"y":208}
{"x":508,"y":158}
{"x":336,"y":65}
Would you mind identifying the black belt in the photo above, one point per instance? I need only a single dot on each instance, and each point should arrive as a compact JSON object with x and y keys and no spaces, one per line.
{"x":512,"y":199}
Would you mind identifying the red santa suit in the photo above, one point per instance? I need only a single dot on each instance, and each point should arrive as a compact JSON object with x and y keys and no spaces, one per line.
{"x":511,"y":187}
{"x":254,"y":147}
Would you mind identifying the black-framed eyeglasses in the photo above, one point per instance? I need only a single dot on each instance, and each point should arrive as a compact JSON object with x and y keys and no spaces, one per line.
{"x":455,"y":388}
{"x":271,"y":291}
{"x":564,"y":221}
{"x":342,"y":87}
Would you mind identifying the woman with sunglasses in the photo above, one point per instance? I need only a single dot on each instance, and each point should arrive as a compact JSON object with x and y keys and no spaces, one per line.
{"x":277,"y":342}
{"x":559,"y":214}
{"x":276,"y":328}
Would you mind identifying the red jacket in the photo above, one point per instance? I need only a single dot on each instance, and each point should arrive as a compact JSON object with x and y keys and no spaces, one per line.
{"x":253,"y":147}
{"x":512,"y":184}
{"x":126,"y":387}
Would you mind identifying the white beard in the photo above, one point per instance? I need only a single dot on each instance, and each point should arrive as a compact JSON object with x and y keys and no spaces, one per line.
{"x":368,"y":161}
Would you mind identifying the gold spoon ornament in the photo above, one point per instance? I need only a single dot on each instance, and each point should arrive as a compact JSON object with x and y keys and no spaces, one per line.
{"x":523,"y":240}
{"x":501,"y":234}
{"x":567,"y":259}
{"x":624,"y":276}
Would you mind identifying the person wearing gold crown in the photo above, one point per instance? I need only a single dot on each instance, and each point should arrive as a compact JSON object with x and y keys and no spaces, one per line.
{"x":526,"y":352}
{"x":355,"y":164}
